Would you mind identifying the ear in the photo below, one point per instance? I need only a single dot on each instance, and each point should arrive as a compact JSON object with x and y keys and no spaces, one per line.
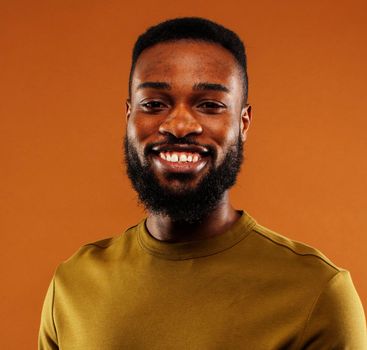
{"x":246,"y":116}
{"x":127,"y":110}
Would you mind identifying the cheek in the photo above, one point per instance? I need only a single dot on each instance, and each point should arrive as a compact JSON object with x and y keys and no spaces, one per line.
{"x":223,"y":132}
{"x":140,"y":130}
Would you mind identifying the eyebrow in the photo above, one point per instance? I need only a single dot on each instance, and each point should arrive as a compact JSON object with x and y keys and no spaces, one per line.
{"x":210,"y":86}
{"x":154,"y":85}
{"x":205,"y":86}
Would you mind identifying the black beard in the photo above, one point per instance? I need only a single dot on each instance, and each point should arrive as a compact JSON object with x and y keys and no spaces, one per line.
{"x":189,"y":205}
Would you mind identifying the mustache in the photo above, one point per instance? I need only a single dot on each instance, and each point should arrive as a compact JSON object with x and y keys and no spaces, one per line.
{"x":173,"y":140}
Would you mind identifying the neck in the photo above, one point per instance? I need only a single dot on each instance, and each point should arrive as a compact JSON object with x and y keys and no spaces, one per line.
{"x":215,"y":223}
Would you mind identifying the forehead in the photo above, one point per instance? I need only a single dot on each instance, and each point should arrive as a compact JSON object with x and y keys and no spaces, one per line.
{"x":187,"y":62}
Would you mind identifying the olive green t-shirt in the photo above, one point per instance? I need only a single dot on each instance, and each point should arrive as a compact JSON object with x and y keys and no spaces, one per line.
{"x":248,"y":288}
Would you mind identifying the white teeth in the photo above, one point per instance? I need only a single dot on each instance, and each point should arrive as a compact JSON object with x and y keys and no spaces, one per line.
{"x":179,"y":157}
{"x":183,"y":158}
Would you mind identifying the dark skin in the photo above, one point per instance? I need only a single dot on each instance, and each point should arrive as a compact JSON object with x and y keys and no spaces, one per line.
{"x":187,"y":89}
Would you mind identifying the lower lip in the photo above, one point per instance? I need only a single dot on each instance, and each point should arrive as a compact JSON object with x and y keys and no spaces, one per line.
{"x":179,"y":167}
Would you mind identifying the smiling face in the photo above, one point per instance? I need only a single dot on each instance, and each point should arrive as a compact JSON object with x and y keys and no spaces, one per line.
{"x":186,"y":113}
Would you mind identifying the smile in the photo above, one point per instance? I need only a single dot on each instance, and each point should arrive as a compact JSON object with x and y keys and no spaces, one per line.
{"x":180,"y":158}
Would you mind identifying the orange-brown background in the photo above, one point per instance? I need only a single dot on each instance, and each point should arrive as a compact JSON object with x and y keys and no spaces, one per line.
{"x":64,"y":70}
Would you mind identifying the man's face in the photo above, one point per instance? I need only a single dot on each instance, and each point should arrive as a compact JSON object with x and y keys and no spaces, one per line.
{"x":186,"y":121}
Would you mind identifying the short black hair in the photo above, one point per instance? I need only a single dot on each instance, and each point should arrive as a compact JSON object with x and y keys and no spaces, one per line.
{"x":197,"y":29}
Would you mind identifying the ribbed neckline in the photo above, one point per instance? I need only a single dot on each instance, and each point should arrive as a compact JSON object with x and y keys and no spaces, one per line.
{"x":195,"y":249}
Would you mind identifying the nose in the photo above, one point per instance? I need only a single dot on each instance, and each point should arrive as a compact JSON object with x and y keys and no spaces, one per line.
{"x":180,"y":123}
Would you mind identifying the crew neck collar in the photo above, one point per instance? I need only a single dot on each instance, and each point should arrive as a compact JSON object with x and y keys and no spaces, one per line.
{"x":195,"y":249}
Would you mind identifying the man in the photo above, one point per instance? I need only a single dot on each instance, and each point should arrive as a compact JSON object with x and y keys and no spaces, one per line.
{"x":196,"y":274}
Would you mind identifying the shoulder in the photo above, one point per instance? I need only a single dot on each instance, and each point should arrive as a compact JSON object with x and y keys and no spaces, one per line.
{"x":295,"y":250}
{"x":289,"y":260}
{"x":97,"y":254}
{"x":334,"y":311}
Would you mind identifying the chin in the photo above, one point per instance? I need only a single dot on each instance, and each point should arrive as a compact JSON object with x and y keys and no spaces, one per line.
{"x":178,"y":186}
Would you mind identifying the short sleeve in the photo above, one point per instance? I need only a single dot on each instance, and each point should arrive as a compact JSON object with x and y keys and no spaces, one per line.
{"x":47,"y":339}
{"x":337,"y":320}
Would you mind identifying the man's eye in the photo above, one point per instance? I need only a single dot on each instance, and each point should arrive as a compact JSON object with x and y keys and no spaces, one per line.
{"x":153,"y":105}
{"x":210,"y":106}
